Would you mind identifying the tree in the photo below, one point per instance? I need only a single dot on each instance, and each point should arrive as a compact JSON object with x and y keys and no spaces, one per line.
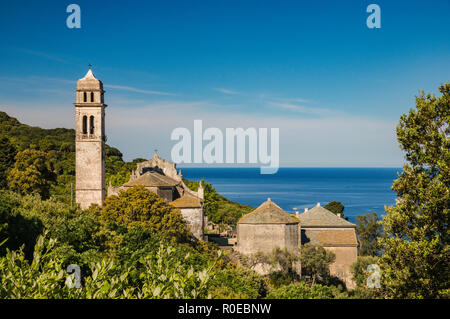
{"x":138,"y":206}
{"x":31,"y":173}
{"x":368,"y":230}
{"x":315,"y":261}
{"x":416,"y":246}
{"x":336,"y":208}
{"x":7,"y":154}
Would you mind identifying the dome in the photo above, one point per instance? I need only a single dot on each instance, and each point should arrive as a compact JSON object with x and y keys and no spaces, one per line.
{"x":89,"y":82}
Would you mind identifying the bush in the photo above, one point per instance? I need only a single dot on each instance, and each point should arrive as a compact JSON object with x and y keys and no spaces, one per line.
{"x":239,"y":283}
{"x":301,"y":291}
{"x":164,"y":275}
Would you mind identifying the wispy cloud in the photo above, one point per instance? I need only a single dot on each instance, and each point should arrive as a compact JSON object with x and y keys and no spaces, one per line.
{"x":43,"y":55}
{"x":226,"y":91}
{"x":303,"y":109}
{"x":132,"y":89}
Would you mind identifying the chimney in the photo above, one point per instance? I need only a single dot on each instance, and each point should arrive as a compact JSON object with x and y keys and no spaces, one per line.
{"x":339,"y":215}
{"x":306,"y":209}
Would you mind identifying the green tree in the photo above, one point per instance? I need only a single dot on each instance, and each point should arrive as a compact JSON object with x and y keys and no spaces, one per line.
{"x":368,"y":230}
{"x":337,"y":208}
{"x":416,"y":246}
{"x":7,"y":155}
{"x":31,"y":173}
{"x":17,"y":229}
{"x":138,"y":206}
{"x":315,"y":261}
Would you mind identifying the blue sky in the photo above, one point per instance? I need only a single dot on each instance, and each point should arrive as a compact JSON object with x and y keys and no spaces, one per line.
{"x":335,"y":88}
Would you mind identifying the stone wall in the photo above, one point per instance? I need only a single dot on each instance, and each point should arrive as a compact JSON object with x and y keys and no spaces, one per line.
{"x":345,"y":257}
{"x":194,"y":218}
{"x":265,"y":237}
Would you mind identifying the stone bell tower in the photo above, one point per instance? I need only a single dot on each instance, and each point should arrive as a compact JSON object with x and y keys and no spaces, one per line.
{"x":89,"y":141}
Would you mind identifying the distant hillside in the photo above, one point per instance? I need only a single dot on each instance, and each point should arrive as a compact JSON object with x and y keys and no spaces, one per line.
{"x":59,"y":143}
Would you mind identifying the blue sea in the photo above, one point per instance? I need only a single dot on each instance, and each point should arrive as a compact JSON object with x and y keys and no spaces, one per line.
{"x":360,"y":190}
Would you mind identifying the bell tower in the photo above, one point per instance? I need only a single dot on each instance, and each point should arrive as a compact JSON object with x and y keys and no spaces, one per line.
{"x":89,"y":141}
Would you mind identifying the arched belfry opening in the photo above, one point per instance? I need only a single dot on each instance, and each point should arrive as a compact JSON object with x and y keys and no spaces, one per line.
{"x":84,"y":124}
{"x":91,"y":124}
{"x":92,"y":96}
{"x":84,"y":97}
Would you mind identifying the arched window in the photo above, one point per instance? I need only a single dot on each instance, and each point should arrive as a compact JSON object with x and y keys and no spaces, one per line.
{"x":92,"y":96}
{"x":91,"y":125}
{"x":84,"y":97}
{"x":84,"y":124}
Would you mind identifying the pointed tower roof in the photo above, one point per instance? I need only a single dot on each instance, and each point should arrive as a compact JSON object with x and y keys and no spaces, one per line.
{"x":268,"y":213}
{"x":322,"y":217}
{"x":89,"y":82}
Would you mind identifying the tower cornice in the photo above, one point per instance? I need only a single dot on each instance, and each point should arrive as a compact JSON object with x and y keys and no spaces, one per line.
{"x":90,"y":104}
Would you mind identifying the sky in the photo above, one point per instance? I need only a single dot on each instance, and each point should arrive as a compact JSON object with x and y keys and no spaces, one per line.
{"x":335,"y":88}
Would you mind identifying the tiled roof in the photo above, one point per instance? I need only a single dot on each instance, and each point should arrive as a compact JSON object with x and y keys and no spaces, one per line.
{"x":150,"y":179}
{"x":268,"y":213}
{"x":330,"y":237}
{"x":321,"y":217}
{"x":186,"y":201}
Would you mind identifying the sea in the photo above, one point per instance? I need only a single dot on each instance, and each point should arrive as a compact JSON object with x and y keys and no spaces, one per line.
{"x":360,"y":190}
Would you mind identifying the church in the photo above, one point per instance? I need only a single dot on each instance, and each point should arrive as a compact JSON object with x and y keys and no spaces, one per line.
{"x":265,"y":228}
{"x":157,"y":175}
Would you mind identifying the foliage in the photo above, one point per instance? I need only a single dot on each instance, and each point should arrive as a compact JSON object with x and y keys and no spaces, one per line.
{"x":239,"y":283}
{"x":335,"y":207}
{"x":7,"y":154}
{"x":416,"y":255}
{"x":315,"y":261}
{"x":163,"y":276}
{"x":17,"y":229}
{"x":31,"y":173}
{"x":138,"y":206}
{"x":359,"y":269}
{"x":368,"y":230}
{"x":301,"y":291}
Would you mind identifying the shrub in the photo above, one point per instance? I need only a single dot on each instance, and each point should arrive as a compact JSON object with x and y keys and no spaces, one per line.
{"x":301,"y":291}
{"x":239,"y":283}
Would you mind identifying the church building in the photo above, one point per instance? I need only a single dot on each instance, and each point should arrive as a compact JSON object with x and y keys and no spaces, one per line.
{"x":157,"y":175}
{"x":269,"y":226}
{"x":265,"y":228}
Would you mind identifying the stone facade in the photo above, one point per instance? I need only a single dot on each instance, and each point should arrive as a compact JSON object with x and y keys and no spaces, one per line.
{"x":89,"y":141}
{"x":269,"y":226}
{"x":265,"y":228}
{"x":322,"y":227}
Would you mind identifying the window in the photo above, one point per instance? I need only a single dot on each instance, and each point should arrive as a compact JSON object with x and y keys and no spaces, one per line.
{"x":84,"y":97}
{"x":84,"y":124}
{"x":92,"y":96}
{"x":91,"y":125}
